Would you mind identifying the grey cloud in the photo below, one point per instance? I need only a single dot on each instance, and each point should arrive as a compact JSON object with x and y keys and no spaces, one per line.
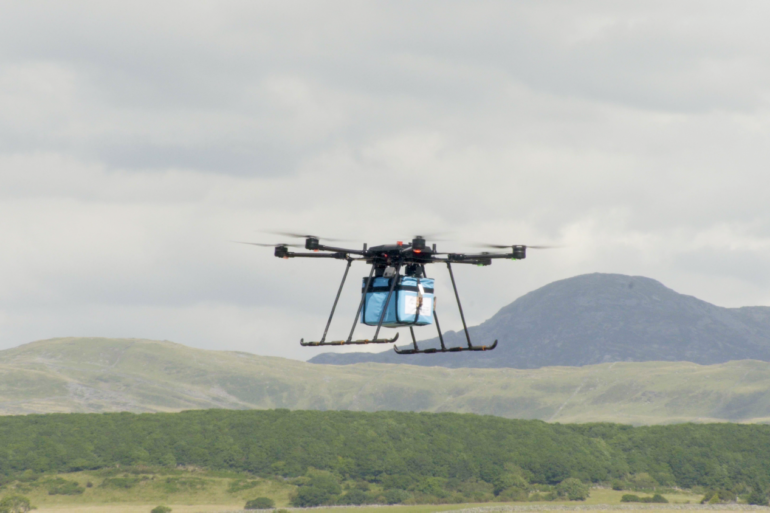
{"x":137,"y":140}
{"x":258,"y":159}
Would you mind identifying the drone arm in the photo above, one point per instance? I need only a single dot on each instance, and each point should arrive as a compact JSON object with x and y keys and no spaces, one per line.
{"x":291,"y":254}
{"x":321,"y":247}
{"x":458,"y":257}
{"x":463,"y":259}
{"x":482,"y":259}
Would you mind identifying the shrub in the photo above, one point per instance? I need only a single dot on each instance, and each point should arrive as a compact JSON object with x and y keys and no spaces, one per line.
{"x":548,"y":496}
{"x":718,"y":496}
{"x":657,"y":499}
{"x":643,"y":481}
{"x":82,"y":464}
{"x":310,"y":496}
{"x":124,"y":483}
{"x":396,"y":496}
{"x":181,"y":484}
{"x":14,"y":504}
{"x":400,"y":482}
{"x":573,"y":489}
{"x":757,"y":498}
{"x":260,"y":503}
{"x":617,"y":484}
{"x":509,"y":480}
{"x":355,"y":497}
{"x":727,"y":496}
{"x":168,"y":460}
{"x":514,"y":494}
{"x":321,"y":488}
{"x":61,"y":486}
{"x":432,"y":486}
{"x":27,"y":476}
{"x":161,"y":509}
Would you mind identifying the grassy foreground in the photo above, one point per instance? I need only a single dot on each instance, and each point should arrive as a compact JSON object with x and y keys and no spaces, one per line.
{"x":191,"y":488}
{"x":196,"y":491}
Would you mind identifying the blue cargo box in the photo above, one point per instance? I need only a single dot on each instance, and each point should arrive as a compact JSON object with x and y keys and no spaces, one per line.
{"x":402,"y":308}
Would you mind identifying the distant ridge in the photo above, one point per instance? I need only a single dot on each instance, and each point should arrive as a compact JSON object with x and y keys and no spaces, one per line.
{"x":599,"y":318}
{"x":101,"y":375}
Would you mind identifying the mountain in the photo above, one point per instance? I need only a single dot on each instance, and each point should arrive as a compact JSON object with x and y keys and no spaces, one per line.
{"x":598,"y":318}
{"x":100,"y":375}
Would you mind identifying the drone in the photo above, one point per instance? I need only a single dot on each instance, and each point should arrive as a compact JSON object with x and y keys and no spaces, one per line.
{"x":397,"y":293}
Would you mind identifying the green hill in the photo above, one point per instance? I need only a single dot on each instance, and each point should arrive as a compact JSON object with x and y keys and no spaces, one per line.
{"x":100,"y":375}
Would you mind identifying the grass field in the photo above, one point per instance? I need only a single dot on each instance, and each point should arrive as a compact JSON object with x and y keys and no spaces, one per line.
{"x":191,"y":488}
{"x":204,"y":492}
{"x":423,"y":508}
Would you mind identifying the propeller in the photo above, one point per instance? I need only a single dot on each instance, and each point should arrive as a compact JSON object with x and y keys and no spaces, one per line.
{"x":301,"y":236}
{"x":270,"y":245}
{"x":500,"y":246}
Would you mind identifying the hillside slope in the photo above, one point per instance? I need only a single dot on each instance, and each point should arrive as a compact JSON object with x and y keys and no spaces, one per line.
{"x":597,"y":318}
{"x":99,"y":375}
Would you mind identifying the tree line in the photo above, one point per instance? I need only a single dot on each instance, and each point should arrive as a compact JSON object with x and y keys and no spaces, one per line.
{"x":393,"y":449}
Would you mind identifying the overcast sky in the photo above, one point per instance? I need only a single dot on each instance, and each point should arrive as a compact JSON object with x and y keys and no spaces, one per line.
{"x":137,"y":139}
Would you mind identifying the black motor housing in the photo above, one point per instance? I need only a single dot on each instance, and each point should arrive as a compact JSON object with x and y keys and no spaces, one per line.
{"x":281,"y":251}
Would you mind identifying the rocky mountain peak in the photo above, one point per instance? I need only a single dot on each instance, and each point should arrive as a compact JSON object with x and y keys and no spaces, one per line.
{"x":596,"y":318}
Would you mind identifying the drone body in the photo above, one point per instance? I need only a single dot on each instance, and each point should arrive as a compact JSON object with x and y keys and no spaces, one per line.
{"x":397,"y":293}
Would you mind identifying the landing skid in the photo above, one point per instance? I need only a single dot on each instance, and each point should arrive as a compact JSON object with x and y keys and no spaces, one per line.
{"x":349,"y":342}
{"x":445,"y":349}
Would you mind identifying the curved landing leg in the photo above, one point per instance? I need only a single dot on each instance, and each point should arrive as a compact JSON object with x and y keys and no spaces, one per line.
{"x":445,"y":349}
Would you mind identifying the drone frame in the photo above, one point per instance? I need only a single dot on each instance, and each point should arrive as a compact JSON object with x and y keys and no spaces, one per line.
{"x":412,"y":256}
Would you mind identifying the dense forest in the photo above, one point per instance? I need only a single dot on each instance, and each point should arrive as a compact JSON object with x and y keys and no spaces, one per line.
{"x":393,"y":450}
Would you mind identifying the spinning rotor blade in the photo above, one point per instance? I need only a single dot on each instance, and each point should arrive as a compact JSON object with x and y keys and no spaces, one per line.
{"x":500,"y":246}
{"x":301,"y":236}
{"x":491,"y":246}
{"x":269,"y":245}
